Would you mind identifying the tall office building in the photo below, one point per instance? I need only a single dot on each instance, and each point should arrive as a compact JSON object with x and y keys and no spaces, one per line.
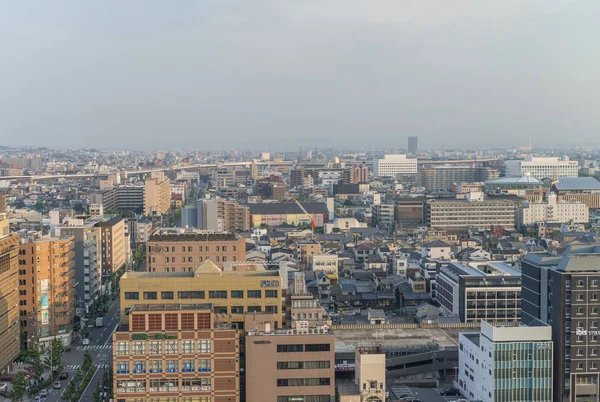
{"x":157,"y":194}
{"x":47,"y":291}
{"x":436,"y":178}
{"x":413,"y":145}
{"x":564,"y":292}
{"x":506,"y":363}
{"x":394,"y":166}
{"x":221,"y":215}
{"x":176,"y":352}
{"x":297,"y":177}
{"x":9,"y":296}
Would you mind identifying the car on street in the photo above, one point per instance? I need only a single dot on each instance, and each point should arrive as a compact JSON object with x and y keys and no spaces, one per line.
{"x":86,"y":341}
{"x":39,"y":398}
{"x":450,"y":392}
{"x":43,"y":393}
{"x":64,"y":375}
{"x":56,"y":385}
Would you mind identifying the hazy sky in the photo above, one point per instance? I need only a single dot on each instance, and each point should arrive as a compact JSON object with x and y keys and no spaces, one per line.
{"x":281,"y":74}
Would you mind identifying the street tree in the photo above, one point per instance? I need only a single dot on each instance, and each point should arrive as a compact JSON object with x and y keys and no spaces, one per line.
{"x":70,"y":391}
{"x":87,"y":361}
{"x":19,"y":386}
{"x":96,"y":394}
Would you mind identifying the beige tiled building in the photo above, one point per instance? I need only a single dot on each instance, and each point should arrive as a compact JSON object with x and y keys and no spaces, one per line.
{"x":176,"y":352}
{"x":369,"y":382}
{"x":9,"y":296}
{"x":184,"y":252}
{"x":47,"y":290}
{"x":113,"y":244}
{"x":157,"y":194}
{"x":244,"y":289}
{"x":289,"y":365}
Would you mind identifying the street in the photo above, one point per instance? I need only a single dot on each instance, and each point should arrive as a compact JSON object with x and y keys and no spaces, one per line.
{"x":100,"y":348}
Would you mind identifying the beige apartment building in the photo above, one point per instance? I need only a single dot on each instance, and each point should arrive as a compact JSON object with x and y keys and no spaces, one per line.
{"x":176,"y":352}
{"x":157,"y":194}
{"x":113,"y":244}
{"x":369,"y":381}
{"x":47,"y":291}
{"x":169,"y":251}
{"x":305,"y":250}
{"x":289,"y":365}
{"x":9,"y":296}
{"x":475,"y":211}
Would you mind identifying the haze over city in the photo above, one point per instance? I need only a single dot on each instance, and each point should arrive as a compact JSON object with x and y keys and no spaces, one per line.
{"x":261,"y":74}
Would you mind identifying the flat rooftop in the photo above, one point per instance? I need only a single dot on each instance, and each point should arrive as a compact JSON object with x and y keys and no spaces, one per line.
{"x":170,"y":307}
{"x":346,"y":340}
{"x":162,"y":236}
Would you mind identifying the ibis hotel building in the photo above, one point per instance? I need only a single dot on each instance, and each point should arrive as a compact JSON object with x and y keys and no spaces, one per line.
{"x":564,"y":292}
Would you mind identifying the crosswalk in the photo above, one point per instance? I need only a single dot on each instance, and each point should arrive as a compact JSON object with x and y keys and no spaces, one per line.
{"x":76,"y":366}
{"x":97,"y":347}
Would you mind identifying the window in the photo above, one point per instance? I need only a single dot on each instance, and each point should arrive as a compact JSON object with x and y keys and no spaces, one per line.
{"x":155,"y":348}
{"x":271,"y":293}
{"x":155,"y":366}
{"x":139,"y":367}
{"x":271,"y":309}
{"x":220,"y":310}
{"x":217,"y":294}
{"x":579,"y":352}
{"x":122,"y":348}
{"x":579,"y":310}
{"x":595,"y":283}
{"x":594,"y":310}
{"x":290,"y":348}
{"x":254,"y":309}
{"x":237,"y":310}
{"x":204,"y":346}
{"x":150,"y":296}
{"x":122,"y":367}
{"x":132,"y":296}
{"x":187,"y":366}
{"x":237,"y":294}
{"x":594,"y":297}
{"x":580,"y":283}
{"x":191,"y":294}
{"x":580,"y":297}
{"x":172,"y":366}
{"x":254,"y":294}
{"x":138,"y":348}
{"x":166,"y":295}
{"x":172,"y":347}
{"x":317,"y":347}
{"x":204,"y":365}
{"x":218,"y":248}
{"x":187,"y":347}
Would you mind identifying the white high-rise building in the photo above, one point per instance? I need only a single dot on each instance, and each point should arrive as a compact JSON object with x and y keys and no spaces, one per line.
{"x":394,"y":165}
{"x":543,"y":168}
{"x":555,"y":211}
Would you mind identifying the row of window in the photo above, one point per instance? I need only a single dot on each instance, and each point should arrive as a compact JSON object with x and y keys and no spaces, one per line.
{"x":190,"y":249}
{"x":309,"y":347}
{"x":191,"y":259}
{"x":305,"y":398}
{"x":170,"y":366}
{"x":166,"y":385}
{"x":200,"y":294}
{"x":156,"y":347}
{"x":302,"y":382}
{"x":319,"y":364}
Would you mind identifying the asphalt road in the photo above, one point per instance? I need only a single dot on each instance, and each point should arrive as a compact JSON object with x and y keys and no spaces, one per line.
{"x":100,"y":348}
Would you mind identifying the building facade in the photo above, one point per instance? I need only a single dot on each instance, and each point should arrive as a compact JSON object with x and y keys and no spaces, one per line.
{"x":47,"y":291}
{"x":394,"y":166}
{"x":275,"y":214}
{"x":453,"y":213}
{"x":437,"y":178}
{"x":184,"y":252}
{"x":175,"y":352}
{"x":506,"y":364}
{"x":243,"y":289}
{"x":113,"y":244}
{"x":413,"y":145}
{"x":554,"y":211}
{"x":290,"y":365}
{"x":126,"y":197}
{"x":157,"y":194}
{"x":9,"y":296}
{"x":543,"y":168}
{"x":488,"y":291}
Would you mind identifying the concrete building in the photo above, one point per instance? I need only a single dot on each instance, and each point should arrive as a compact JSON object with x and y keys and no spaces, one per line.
{"x":168,"y":251}
{"x":582,"y":189}
{"x":221,"y":215}
{"x":297,"y":177}
{"x":47,"y":298}
{"x":9,"y":296}
{"x":542,"y":168}
{"x":113,"y":244}
{"x":527,"y":187}
{"x":394,"y":166}
{"x":474,"y":292}
{"x":157,"y":194}
{"x":436,"y":249}
{"x":413,"y":145}
{"x":88,"y":260}
{"x":126,"y":197}
{"x":343,"y":225}
{"x":3,"y":205}
{"x":170,"y":352}
{"x":437,"y":178}
{"x":383,"y":215}
{"x":506,"y":364}
{"x":475,"y":212}
{"x":326,"y":263}
{"x":563,"y":292}
{"x":554,"y":211}
{"x":276,"y":214}
{"x":408,"y":211}
{"x":360,"y":173}
{"x":305,"y":250}
{"x":289,"y":365}
{"x":243,"y":289}
{"x":370,"y":377}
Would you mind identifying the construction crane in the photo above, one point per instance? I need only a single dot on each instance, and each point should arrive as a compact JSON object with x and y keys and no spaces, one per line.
{"x":313,"y":222}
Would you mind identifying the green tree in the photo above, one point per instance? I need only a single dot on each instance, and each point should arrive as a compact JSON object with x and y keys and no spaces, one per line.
{"x":54,"y":358}
{"x":70,"y":391}
{"x":39,"y":206}
{"x":78,"y":376}
{"x":87,"y":361}
{"x":19,"y":386}
{"x":96,"y":394}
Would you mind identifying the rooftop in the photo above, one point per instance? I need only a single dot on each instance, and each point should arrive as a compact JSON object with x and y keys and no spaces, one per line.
{"x":192,"y":236}
{"x":287,"y":208}
{"x":346,"y":340}
{"x":577,"y":183}
{"x":170,"y":307}
{"x":526,"y":180}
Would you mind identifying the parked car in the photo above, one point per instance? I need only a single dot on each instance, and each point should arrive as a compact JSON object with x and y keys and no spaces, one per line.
{"x":450,"y":392}
{"x":39,"y":398}
{"x":43,"y":393}
{"x":64,"y":375}
{"x":56,"y":385}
